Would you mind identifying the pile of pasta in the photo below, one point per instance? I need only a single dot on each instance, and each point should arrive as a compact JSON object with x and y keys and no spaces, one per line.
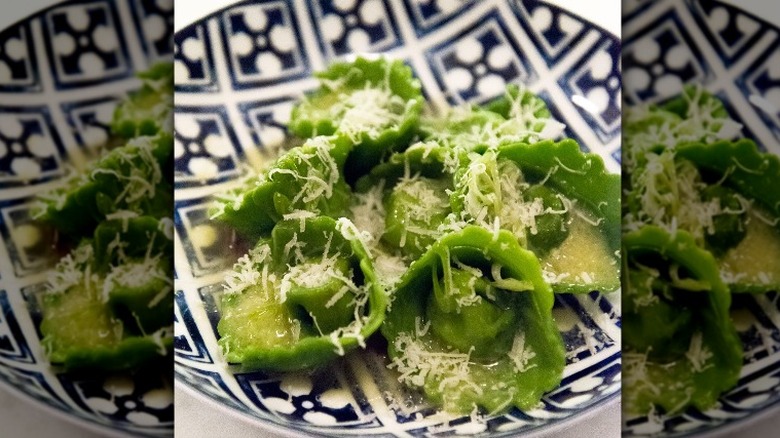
{"x":446,"y":235}
{"x":108,"y":302}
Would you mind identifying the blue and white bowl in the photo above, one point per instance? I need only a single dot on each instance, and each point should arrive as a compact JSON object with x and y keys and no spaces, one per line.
{"x":62,"y":72}
{"x":736,"y":56}
{"x":239,"y":71}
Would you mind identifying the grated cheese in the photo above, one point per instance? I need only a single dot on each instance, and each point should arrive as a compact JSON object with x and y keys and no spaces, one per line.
{"x":476,"y":127}
{"x":418,"y":363}
{"x":492,"y":195}
{"x":668,"y":129}
{"x":248,"y":269}
{"x":698,"y":354}
{"x":521,"y":354}
{"x":308,"y":274}
{"x":368,"y":111}
{"x":368,"y":214}
{"x":72,"y":270}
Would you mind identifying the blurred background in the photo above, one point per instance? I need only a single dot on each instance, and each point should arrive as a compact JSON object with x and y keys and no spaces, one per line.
{"x":64,"y":87}
{"x":18,"y":415}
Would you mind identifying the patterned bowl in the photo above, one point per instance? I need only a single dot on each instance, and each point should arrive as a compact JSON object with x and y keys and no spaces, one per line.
{"x":238,"y":73}
{"x":736,"y":56}
{"x":62,"y":72}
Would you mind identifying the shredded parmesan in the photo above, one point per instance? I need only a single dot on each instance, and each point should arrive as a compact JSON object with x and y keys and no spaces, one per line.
{"x":698,"y":354}
{"x":418,"y":363}
{"x":248,"y":270}
{"x":474,"y":128}
{"x":521,"y":354}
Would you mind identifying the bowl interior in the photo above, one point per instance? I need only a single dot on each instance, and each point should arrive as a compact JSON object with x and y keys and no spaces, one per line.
{"x":238,"y":73}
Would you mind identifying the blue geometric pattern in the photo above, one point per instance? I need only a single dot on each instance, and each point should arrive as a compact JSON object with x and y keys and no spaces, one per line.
{"x":187,"y":342}
{"x":122,"y":399}
{"x":30,"y":148}
{"x":209,"y":296}
{"x":582,"y":336}
{"x":755,"y":393}
{"x":262,"y":44}
{"x":27,"y":242}
{"x":204,"y":237}
{"x":758,"y":332}
{"x":209,"y":383}
{"x":193,"y":63}
{"x":479,"y":62}
{"x":429,"y":15}
{"x":557,"y":114}
{"x":268,"y":121}
{"x":659,"y":58}
{"x":90,"y":120}
{"x":762,"y":84}
{"x":62,"y":73}
{"x":630,"y":8}
{"x":17,"y":60}
{"x":85,"y":44}
{"x":727,"y":27}
{"x":32,"y":295}
{"x":136,"y":403}
{"x":154,"y":22}
{"x":202,"y":145}
{"x":583,"y":387}
{"x":661,"y":54}
{"x":35,"y":385}
{"x":553,"y":29}
{"x":354,"y":26}
{"x":13,"y":346}
{"x":300,"y":396}
{"x":463,"y":51}
{"x":597,"y":78}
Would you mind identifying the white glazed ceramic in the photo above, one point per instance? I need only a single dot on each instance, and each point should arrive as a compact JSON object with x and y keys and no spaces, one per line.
{"x":238,"y":73}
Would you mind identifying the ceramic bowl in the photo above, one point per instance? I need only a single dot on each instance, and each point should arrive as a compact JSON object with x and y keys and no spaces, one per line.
{"x":734,"y":55}
{"x":238,"y":73}
{"x":62,"y":72}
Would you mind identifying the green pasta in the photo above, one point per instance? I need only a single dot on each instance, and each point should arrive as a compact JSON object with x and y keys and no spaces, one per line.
{"x":559,"y":202}
{"x":301,"y":298}
{"x":517,"y":116}
{"x":108,"y":303}
{"x":719,"y":190}
{"x":681,"y":346}
{"x":471,"y":324}
{"x":415,"y":184}
{"x":458,"y":224}
{"x":700,"y":217}
{"x":375,"y":103}
{"x":308,"y":180}
{"x":127,"y":180}
{"x":148,"y":110}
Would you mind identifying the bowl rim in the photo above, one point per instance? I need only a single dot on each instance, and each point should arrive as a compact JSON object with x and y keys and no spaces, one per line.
{"x":545,"y":429}
{"x":512,"y":4}
{"x":62,"y":415}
